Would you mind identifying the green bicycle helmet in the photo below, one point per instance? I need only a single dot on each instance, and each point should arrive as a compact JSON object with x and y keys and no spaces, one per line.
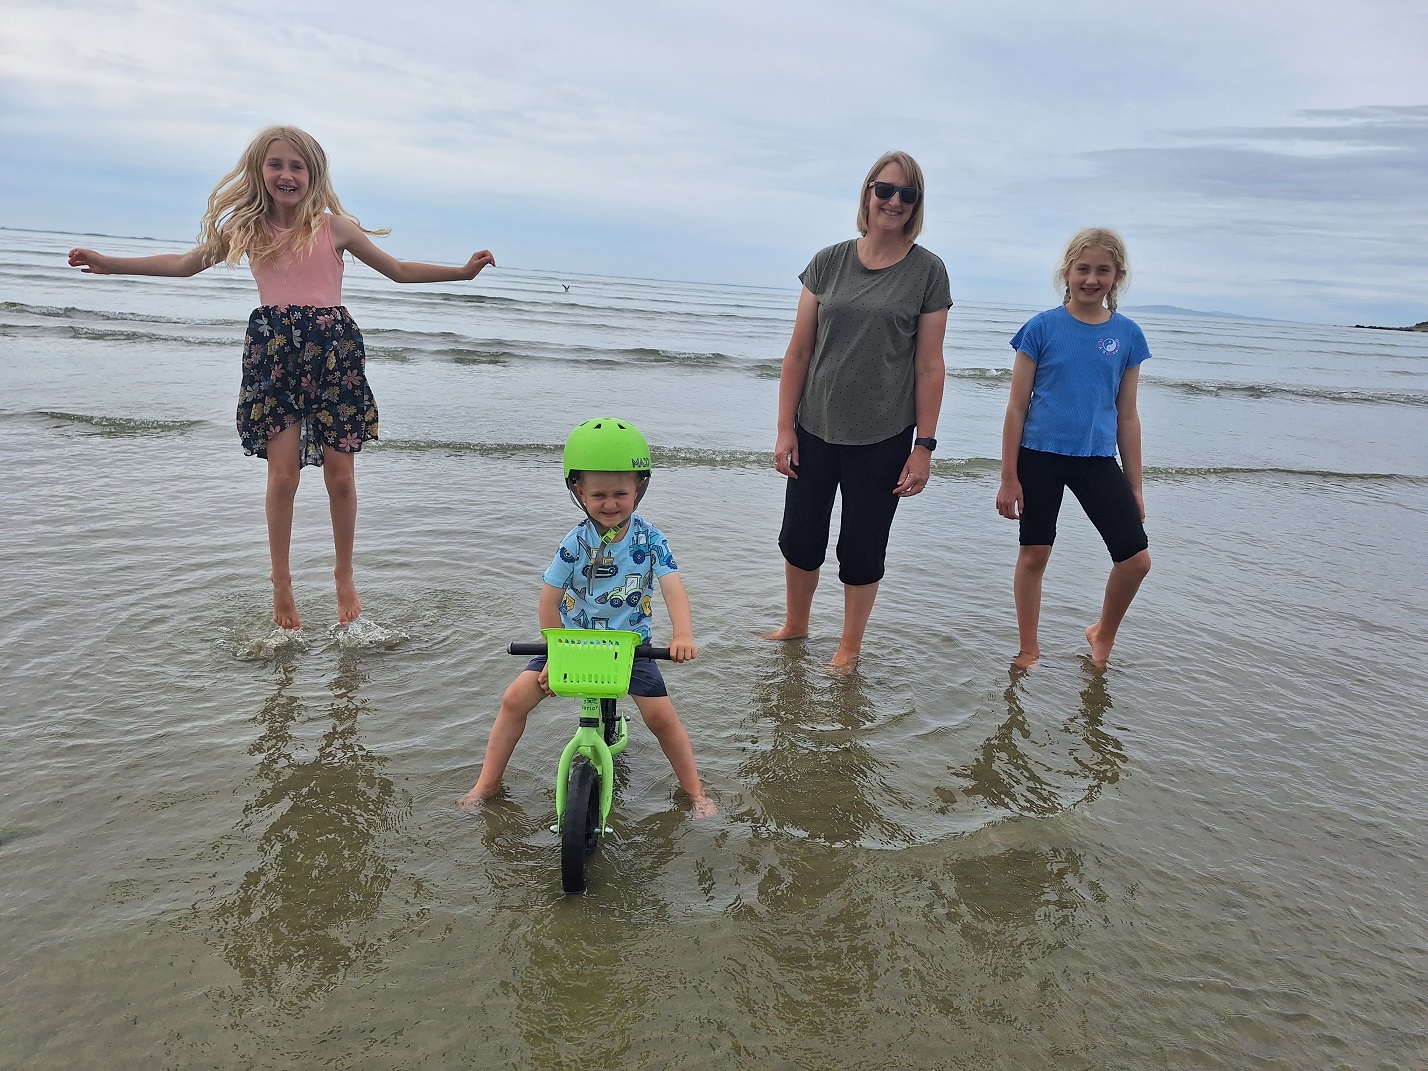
{"x":606,"y":444}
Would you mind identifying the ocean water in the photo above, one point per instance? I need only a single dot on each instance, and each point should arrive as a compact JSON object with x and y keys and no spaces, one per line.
{"x":221,"y":848}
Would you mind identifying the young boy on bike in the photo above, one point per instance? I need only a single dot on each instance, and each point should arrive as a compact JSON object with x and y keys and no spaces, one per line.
{"x":603,"y":577}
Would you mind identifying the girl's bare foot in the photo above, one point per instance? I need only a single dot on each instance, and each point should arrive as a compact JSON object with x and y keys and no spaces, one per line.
{"x":1026,"y":659}
{"x":285,"y":611}
{"x":349,"y":603}
{"x":787,"y":632}
{"x":1100,"y":652}
{"x":844,"y":661}
{"x":704,"y":807}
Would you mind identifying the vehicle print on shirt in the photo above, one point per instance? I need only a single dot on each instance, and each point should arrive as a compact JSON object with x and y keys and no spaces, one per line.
{"x":600,"y":563}
{"x":641,"y":548}
{"x":629,"y":593}
{"x":632,"y":595}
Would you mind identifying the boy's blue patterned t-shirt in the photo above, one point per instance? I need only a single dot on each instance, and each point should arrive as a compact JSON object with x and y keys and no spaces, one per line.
{"x":616,"y":593}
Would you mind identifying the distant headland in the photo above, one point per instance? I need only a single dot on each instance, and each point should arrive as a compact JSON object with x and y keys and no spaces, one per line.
{"x":1176,"y":310}
{"x":1373,"y":327}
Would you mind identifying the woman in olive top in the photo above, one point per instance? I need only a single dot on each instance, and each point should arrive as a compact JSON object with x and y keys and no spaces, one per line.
{"x":859,"y":397}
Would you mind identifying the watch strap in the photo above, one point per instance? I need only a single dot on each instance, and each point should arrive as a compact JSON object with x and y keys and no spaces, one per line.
{"x":926,"y":441}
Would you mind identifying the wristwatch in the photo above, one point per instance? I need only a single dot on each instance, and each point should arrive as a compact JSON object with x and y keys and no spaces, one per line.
{"x":929,"y":442}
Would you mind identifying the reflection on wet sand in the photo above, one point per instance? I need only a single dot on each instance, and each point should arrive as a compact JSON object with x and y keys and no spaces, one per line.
{"x":1006,"y":904}
{"x":1019,"y":773}
{"x":572,"y":966}
{"x":818,"y":938}
{"x":296,"y":925}
{"x":579,"y":973}
{"x":810,"y":771}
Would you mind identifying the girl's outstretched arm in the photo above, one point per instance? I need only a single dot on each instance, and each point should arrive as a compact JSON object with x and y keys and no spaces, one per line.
{"x":1009,"y":496}
{"x":791,"y":380}
{"x":168,"y":265}
{"x":1128,"y":433}
{"x":348,"y":237}
{"x":681,"y":624}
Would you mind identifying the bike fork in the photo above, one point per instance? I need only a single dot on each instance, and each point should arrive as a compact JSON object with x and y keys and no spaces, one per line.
{"x":588,"y":742}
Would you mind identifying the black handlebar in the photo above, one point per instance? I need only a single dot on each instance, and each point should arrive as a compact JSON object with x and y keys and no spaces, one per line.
{"x":641,"y":651}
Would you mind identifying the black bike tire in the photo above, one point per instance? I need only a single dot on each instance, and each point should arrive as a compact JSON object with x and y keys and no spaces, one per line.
{"x":580,"y":827}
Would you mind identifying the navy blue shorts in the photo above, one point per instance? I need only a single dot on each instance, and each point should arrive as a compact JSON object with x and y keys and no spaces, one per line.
{"x":1098,"y":484}
{"x":646,"y":681}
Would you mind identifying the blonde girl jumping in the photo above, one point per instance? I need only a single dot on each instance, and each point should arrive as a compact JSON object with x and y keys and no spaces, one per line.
{"x":304,"y":398}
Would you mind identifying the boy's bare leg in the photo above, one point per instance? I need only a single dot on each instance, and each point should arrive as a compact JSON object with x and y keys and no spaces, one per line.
{"x":858,"y":602}
{"x":1026,"y":592}
{"x":522,"y":696}
{"x":799,"y":586}
{"x":1121,"y":588}
{"x":284,"y":471}
{"x":339,"y":473}
{"x":658,"y":713}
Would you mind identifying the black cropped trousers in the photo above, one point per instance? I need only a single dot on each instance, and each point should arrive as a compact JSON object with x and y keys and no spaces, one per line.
{"x":865,"y":476}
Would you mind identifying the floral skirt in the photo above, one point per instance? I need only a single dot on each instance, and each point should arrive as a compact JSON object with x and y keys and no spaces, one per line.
{"x":304,"y":365}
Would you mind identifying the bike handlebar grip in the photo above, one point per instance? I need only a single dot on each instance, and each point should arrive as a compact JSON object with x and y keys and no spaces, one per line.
{"x":641,"y":651}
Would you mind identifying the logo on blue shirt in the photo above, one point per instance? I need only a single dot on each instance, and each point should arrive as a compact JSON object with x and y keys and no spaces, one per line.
{"x":1110,"y":346}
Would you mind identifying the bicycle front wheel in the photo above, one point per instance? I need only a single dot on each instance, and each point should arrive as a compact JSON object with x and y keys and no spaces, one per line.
{"x":580,"y":828}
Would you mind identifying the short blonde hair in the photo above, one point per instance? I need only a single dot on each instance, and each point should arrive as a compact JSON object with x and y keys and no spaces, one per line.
{"x":913,"y":174}
{"x":1094,"y":238}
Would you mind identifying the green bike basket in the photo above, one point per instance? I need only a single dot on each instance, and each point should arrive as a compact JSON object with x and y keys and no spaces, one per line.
{"x":590,"y":663}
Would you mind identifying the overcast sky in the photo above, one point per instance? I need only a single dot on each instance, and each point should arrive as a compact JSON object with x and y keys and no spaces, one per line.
{"x":1263,"y":157}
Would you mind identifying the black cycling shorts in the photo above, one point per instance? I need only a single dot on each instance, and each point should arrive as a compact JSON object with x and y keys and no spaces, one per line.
{"x":1098,"y":484}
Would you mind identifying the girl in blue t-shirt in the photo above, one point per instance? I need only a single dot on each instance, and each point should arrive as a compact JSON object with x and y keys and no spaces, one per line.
{"x":1072,"y":408}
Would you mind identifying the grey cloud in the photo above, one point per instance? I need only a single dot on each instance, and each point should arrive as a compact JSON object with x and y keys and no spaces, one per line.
{"x":1374,"y":156}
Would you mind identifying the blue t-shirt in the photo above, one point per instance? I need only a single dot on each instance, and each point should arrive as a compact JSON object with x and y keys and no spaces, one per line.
{"x":616,"y":592}
{"x":1078,"y":377}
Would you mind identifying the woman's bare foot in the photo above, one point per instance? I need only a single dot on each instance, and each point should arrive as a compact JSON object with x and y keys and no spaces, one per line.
{"x":1100,"y":652}
{"x":349,"y":603}
{"x":704,"y":807}
{"x":476,"y":797}
{"x":285,"y":611}
{"x":844,"y":661}
{"x":787,"y":632}
{"x":1026,"y":659}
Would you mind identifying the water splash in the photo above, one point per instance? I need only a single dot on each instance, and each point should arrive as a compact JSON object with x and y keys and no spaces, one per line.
{"x":364,"y":634}
{"x":271,"y":646}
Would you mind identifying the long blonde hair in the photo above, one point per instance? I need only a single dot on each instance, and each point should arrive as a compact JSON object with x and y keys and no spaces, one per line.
{"x":236,"y":222}
{"x":1094,"y":238}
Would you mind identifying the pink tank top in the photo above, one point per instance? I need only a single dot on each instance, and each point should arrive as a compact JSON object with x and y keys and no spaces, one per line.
{"x":311,"y":278}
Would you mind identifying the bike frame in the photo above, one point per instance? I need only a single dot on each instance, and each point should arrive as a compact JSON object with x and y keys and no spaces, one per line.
{"x":603,"y":734}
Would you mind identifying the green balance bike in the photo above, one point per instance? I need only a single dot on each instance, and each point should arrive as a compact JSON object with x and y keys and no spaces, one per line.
{"x":592,"y":665}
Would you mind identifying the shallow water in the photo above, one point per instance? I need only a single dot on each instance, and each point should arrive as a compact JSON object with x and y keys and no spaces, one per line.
{"x":222,"y":848}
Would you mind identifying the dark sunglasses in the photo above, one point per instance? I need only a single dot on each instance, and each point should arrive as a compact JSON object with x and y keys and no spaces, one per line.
{"x":884,"y":192}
